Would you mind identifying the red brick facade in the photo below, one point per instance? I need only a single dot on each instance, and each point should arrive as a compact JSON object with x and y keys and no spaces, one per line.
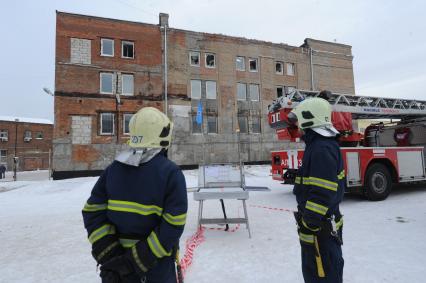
{"x":32,"y":152}
{"x":80,"y":142}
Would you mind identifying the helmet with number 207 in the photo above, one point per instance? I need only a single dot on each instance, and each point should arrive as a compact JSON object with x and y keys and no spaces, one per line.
{"x":150,"y":128}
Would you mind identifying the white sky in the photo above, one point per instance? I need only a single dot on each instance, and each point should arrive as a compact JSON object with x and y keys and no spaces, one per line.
{"x":388,"y":38}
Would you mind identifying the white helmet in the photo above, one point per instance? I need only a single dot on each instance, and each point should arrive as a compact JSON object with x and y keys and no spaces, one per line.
{"x":314,"y":113}
{"x":150,"y":128}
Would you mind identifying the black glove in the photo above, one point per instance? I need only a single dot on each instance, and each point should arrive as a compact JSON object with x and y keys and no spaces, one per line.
{"x":138,"y":259}
{"x":110,"y":277}
{"x":106,"y":248}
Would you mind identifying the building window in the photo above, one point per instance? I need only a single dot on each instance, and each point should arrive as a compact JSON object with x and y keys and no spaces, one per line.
{"x":211,"y":90}
{"x":241,"y":91}
{"x":107,"y":47}
{"x":126,"y":121}
{"x":107,"y":124}
{"x":290,"y":69}
{"x":255,"y":125}
{"x":106,"y":83}
{"x":127,"y":84}
{"x":194,"y":58}
{"x":280,"y":91}
{"x":210,"y":60}
{"x":254,"y":92}
{"x":127,"y":49}
{"x":279,"y":68}
{"x":242,"y":124}
{"x":27,"y":136}
{"x":3,"y":156}
{"x":4,"y":135}
{"x":253,"y":65}
{"x":240,"y":63}
{"x":196,"y":128}
{"x":39,"y":135}
{"x":195,"y":89}
{"x":212,"y":124}
{"x":289,"y":89}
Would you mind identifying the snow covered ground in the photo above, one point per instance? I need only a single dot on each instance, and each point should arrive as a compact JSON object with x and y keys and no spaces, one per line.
{"x":42,"y":238}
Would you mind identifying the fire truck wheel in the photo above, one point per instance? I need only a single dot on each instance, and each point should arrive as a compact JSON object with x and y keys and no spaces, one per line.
{"x":378,"y":182}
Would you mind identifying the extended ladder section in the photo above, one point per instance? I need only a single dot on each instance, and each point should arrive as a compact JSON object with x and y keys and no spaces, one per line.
{"x":361,"y":107}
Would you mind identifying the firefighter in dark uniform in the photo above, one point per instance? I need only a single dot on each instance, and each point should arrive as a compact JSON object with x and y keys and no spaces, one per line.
{"x":319,"y":188}
{"x":137,"y":209}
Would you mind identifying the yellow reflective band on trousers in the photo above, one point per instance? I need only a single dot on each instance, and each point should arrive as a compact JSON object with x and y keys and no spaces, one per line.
{"x":341,"y":175}
{"x":177,"y":220}
{"x":322,"y":183}
{"x":315,"y":207}
{"x":101,"y":232}
{"x":94,"y":207}
{"x":138,"y":260}
{"x":134,"y":207}
{"x":127,"y":243}
{"x":156,"y":247}
{"x":339,"y":223}
{"x":306,"y":238}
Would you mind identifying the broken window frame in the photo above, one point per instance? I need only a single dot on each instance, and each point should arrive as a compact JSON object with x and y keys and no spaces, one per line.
{"x":193,"y":84}
{"x":243,"y":67}
{"x":279,"y":63}
{"x":197,"y":126}
{"x":214,"y":60}
{"x":282,"y":90}
{"x":197,"y":54}
{"x":257,"y":67}
{"x":290,"y":69}
{"x":209,"y":90}
{"x":210,"y":128}
{"x":39,"y":135}
{"x":126,"y":42}
{"x":245,"y":124}
{"x":259,"y":122}
{"x":126,"y":122}
{"x":132,"y":80}
{"x":102,"y":47}
{"x":242,"y":86}
{"x":251,"y":88}
{"x":101,"y":126}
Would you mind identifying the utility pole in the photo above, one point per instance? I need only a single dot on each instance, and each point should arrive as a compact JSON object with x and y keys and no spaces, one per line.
{"x":15,"y":158}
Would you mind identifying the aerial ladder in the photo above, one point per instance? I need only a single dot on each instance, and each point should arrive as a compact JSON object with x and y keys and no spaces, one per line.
{"x":389,"y":151}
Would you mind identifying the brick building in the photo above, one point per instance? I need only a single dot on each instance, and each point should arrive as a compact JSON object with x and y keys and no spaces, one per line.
{"x":32,"y":140}
{"x":100,"y":61}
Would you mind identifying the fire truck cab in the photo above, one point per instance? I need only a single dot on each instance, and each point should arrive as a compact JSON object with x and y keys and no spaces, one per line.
{"x":386,"y":153}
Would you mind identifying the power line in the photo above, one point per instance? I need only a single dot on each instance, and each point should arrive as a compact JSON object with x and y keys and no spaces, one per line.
{"x":137,"y":8}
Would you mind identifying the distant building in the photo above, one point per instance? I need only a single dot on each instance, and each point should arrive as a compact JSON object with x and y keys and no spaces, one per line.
{"x":99,"y":59}
{"x":28,"y":139}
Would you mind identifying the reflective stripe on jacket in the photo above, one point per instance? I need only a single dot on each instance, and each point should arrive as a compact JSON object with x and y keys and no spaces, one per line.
{"x":320,"y":182}
{"x":146,"y":202}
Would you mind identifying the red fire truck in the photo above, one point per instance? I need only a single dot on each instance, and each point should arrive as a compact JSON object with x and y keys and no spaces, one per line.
{"x":385,"y":154}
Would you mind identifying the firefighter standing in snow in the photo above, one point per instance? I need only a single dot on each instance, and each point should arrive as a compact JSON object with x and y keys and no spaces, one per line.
{"x":137,"y":209}
{"x":319,"y":188}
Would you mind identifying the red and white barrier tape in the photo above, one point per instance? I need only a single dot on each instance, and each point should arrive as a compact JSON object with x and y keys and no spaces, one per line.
{"x":272,"y":208}
{"x":191,"y":244}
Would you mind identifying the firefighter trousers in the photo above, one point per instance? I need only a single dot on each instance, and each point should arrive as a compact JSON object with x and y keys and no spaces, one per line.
{"x":164,"y":272}
{"x":330,"y":257}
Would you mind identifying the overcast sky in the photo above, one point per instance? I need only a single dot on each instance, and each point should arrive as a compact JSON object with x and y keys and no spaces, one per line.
{"x":388,"y":38}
